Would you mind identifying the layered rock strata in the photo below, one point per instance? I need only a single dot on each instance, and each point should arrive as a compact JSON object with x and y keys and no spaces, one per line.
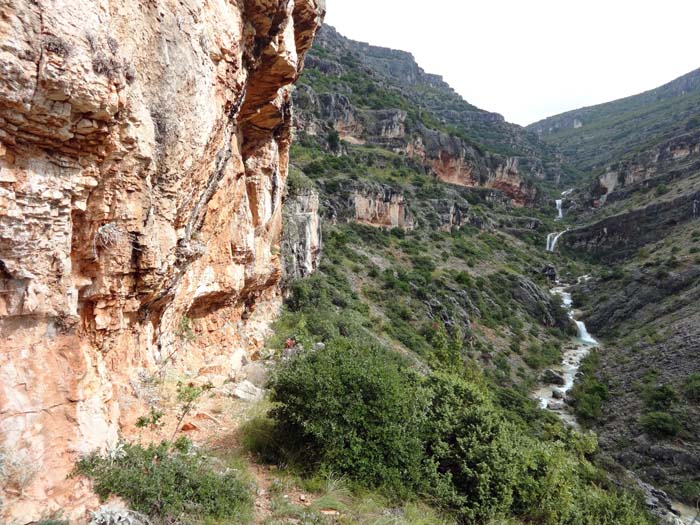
{"x":302,"y":237}
{"x":143,"y":156}
{"x":371,"y":204}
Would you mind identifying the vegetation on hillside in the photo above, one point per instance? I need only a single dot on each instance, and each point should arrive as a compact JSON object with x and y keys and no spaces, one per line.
{"x":622,"y":127}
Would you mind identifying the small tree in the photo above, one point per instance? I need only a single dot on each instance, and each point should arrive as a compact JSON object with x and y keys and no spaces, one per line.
{"x":187,"y":395}
{"x":333,"y":140}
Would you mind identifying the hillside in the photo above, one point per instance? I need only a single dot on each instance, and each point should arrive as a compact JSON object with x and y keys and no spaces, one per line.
{"x":591,"y":138}
{"x":638,"y":216}
{"x":254,"y":272}
{"x":404,"y":249}
{"x":376,"y":91}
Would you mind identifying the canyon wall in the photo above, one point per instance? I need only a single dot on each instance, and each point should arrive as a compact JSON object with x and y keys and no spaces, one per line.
{"x":662,"y":164}
{"x":377,"y":97}
{"x":143,"y":157}
{"x":620,"y":236}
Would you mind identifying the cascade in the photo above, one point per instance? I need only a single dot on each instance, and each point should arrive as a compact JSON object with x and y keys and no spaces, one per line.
{"x":553,"y":397}
{"x":552,"y":239}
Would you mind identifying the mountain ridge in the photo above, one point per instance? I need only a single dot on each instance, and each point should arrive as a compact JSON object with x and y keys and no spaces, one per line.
{"x":591,"y":137}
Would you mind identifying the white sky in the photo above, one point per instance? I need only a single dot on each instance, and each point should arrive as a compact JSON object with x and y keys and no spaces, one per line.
{"x":529,"y":59}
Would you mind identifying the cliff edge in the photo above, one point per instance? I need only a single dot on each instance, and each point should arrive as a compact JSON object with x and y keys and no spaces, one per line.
{"x":143,"y":157}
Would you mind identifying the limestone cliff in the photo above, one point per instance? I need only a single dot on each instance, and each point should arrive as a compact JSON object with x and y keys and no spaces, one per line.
{"x":302,"y":238}
{"x":143,"y":156}
{"x":662,"y":164}
{"x":380,"y":97}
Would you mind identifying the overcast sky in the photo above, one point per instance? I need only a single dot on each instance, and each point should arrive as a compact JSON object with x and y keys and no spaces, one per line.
{"x":529,"y":59}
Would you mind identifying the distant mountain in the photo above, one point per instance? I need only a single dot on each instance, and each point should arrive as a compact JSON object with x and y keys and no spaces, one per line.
{"x":592,"y":137}
{"x":366,"y":83}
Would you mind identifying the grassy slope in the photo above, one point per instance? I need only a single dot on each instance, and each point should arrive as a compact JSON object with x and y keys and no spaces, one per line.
{"x":616,"y":129}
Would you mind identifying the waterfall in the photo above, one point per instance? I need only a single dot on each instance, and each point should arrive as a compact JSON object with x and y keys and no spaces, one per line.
{"x":552,"y":239}
{"x":560,"y":211}
{"x":583,"y":334}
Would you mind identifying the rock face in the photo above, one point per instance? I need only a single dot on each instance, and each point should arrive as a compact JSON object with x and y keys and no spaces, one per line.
{"x":541,"y":304}
{"x":372,"y":204}
{"x":453,"y":161}
{"x":619,"y":236}
{"x":143,"y":156}
{"x":381,"y":97}
{"x":385,"y":209}
{"x":301,"y":240}
{"x":672,"y":160}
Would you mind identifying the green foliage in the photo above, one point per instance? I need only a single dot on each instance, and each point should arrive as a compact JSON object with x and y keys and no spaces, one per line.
{"x":589,"y":393}
{"x":333,"y":140}
{"x":691,"y":388}
{"x":187,"y":396}
{"x":179,"y":486}
{"x":184,"y":329}
{"x":360,"y":411}
{"x":297,"y":182}
{"x":661,"y":189}
{"x":660,"y":424}
{"x":539,"y":356}
{"x":472,"y":449}
{"x":153,"y":419}
{"x":355,"y":410}
{"x":660,"y":397}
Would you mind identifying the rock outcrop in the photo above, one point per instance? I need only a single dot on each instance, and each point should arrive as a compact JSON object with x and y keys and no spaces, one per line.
{"x":301,"y":237}
{"x":663,"y":164}
{"x":381,"y":97}
{"x":619,"y":236}
{"x":371,"y":204}
{"x":143,"y":156}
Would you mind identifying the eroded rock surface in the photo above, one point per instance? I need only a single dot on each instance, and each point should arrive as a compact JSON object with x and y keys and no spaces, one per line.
{"x":375,"y":96}
{"x":143,"y":156}
{"x":302,"y":239}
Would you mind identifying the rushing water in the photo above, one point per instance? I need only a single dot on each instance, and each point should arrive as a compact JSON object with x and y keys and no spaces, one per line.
{"x":552,"y":239}
{"x":560,"y":210}
{"x":552,"y":397}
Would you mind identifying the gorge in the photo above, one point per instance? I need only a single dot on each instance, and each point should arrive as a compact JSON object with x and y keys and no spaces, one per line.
{"x":253,"y":271}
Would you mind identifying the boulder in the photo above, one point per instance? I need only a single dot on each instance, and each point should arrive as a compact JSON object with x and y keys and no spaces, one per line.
{"x":247,"y":391}
{"x":553,"y":378}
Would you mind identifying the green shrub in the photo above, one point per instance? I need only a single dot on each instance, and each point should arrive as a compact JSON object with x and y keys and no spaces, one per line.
{"x":333,"y":140}
{"x":354,"y":409}
{"x":589,"y":393}
{"x":470,"y":445}
{"x":660,"y":424}
{"x":691,"y":388}
{"x":660,"y":397}
{"x":169,"y":483}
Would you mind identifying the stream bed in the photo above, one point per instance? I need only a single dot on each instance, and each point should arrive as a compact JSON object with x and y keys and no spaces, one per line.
{"x":552,"y":396}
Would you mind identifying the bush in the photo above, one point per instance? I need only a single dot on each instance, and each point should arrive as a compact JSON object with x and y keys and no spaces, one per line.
{"x":660,"y":397}
{"x":470,"y":445}
{"x":353,"y":409}
{"x":589,"y":393}
{"x":169,"y":483}
{"x":333,"y":140}
{"x":691,"y":388}
{"x":660,"y":424}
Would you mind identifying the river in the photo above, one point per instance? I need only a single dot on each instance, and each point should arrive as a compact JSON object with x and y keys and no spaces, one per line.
{"x":553,"y":396}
